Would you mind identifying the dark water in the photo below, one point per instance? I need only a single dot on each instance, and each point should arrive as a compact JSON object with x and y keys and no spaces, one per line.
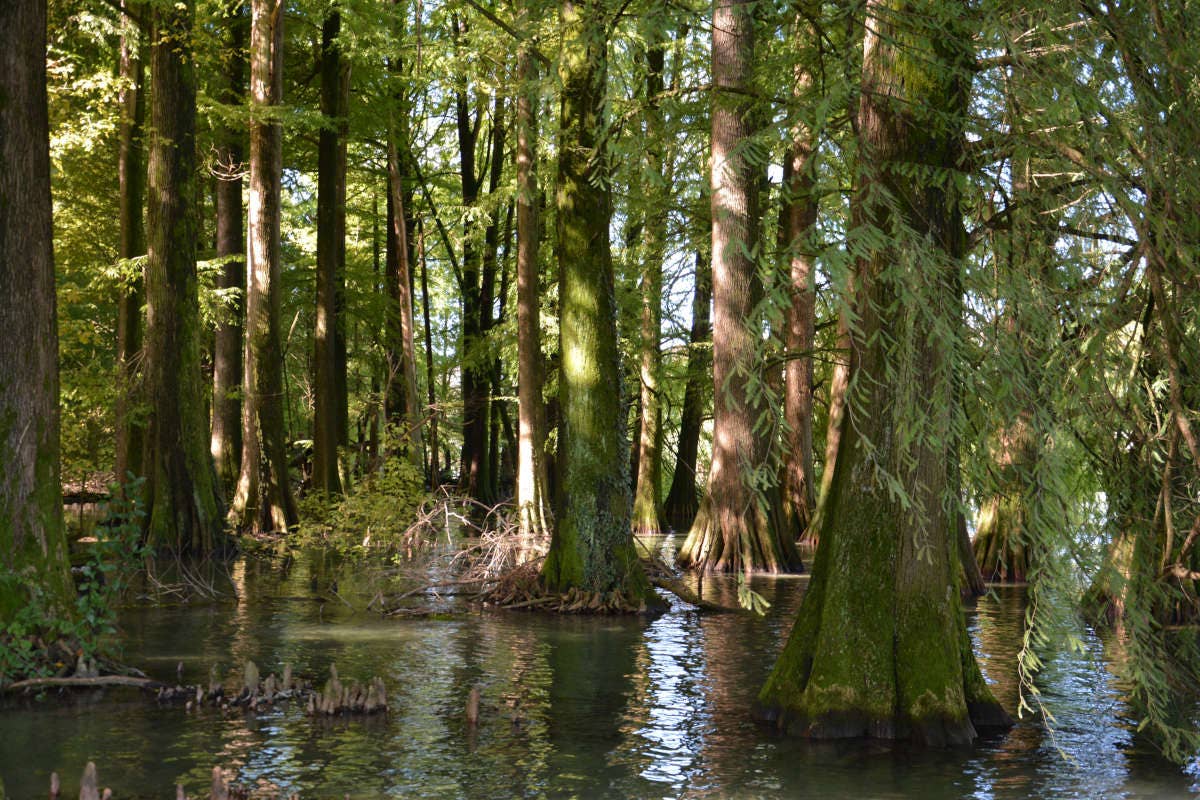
{"x":571,"y":708}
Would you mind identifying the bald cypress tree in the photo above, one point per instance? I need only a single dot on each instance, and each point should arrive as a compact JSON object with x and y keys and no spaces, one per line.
{"x":881,"y":649}
{"x":33,"y":553}
{"x":185,"y":510}
{"x":592,"y":547}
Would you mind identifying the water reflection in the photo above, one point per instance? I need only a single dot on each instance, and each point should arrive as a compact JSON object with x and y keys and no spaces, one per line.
{"x":570,"y":707}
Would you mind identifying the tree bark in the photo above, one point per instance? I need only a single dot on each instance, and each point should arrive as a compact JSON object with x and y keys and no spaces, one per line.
{"x":473,"y":477}
{"x":185,"y":509}
{"x":430,"y":384}
{"x":682,"y":501}
{"x":740,"y":525}
{"x":533,"y":501}
{"x":131,"y":174}
{"x":329,"y":335}
{"x":404,"y":408}
{"x":33,"y":553}
{"x":800,"y":218}
{"x":592,"y":546}
{"x":225,"y":440}
{"x":882,"y":650}
{"x":654,"y":241}
{"x":264,"y":500}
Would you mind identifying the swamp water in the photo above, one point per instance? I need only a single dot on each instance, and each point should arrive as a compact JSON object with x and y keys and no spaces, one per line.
{"x":571,"y":707}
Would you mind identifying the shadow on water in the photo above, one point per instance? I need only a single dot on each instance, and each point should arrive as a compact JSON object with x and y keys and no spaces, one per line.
{"x":571,"y":707}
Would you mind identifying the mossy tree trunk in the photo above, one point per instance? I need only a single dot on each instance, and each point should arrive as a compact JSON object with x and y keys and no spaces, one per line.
{"x":740,"y":524}
{"x":880,"y":646}
{"x":131,"y":175}
{"x":183,"y":500}
{"x":653,"y":250}
{"x":263,"y":500}
{"x":533,"y":500}
{"x":330,"y":423}
{"x":33,"y":552}
{"x":592,"y":547}
{"x":225,"y":438}
{"x":682,"y":501}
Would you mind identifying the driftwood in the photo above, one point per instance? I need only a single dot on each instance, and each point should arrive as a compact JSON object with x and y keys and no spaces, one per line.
{"x":77,"y":682}
{"x":685,"y":594}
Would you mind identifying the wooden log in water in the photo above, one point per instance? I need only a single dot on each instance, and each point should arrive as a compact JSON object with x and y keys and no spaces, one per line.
{"x":102,"y":680}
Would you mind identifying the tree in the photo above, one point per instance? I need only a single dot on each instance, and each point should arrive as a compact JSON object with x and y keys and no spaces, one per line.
{"x":225,"y":441}
{"x":739,"y":525}
{"x":263,"y":500}
{"x":330,"y":424}
{"x":592,"y":546}
{"x":402,"y":402}
{"x":882,"y":649}
{"x":799,"y":219}
{"x":33,"y":551}
{"x":533,"y":500}
{"x":682,"y":502}
{"x":131,"y":174}
{"x":653,"y":251}
{"x":185,"y":510}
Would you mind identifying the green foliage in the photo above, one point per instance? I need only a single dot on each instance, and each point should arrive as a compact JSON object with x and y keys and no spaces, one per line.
{"x":40,"y":640}
{"x":375,"y":515}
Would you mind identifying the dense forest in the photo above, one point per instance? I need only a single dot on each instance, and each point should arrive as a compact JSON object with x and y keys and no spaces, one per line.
{"x":900,"y":294}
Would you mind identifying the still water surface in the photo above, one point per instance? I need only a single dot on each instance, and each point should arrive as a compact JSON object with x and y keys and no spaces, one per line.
{"x":574,"y":707}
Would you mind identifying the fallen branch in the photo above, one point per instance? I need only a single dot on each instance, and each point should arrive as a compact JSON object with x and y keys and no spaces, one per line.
{"x":103,"y":680}
{"x":688,"y":596}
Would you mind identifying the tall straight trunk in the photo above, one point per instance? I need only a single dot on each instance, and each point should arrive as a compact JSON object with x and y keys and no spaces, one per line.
{"x":800,"y":218}
{"x":739,"y":525}
{"x":329,"y":423}
{"x":473,"y":464}
{"x":402,"y":364}
{"x":491,"y":267}
{"x":533,"y":500}
{"x":430,"y":383}
{"x":131,"y":174}
{"x":264,"y":500}
{"x":654,"y":239}
{"x":33,"y":552}
{"x":402,"y":400}
{"x":682,"y":504}
{"x":882,"y":650}
{"x":225,"y":440}
{"x":592,"y":548}
{"x":183,"y":498}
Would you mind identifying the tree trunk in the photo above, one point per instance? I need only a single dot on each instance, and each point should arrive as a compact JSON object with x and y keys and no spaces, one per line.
{"x":264,"y":501}
{"x":592,"y":547}
{"x":33,"y":553}
{"x":800,"y":218}
{"x":225,"y":441}
{"x":740,"y":525}
{"x":473,"y":479}
{"x":533,"y":500}
{"x":682,"y":501}
{"x":403,"y":406}
{"x":185,"y":509}
{"x":654,"y":242}
{"x":430,"y":384}
{"x":882,"y":650}
{"x":329,"y":335}
{"x":131,"y":173}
